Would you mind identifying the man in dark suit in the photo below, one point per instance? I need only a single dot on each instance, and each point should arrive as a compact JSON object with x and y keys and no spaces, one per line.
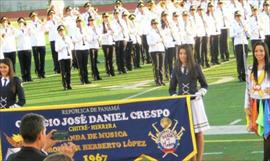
{"x":35,"y":140}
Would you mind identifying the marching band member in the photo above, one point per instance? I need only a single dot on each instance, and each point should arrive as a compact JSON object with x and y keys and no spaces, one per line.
{"x":136,"y":40}
{"x":256,"y":27}
{"x":197,"y":45}
{"x":246,"y":9}
{"x":80,"y":40}
{"x":70,"y":24}
{"x":176,"y":31}
{"x":224,"y":24}
{"x":51,"y":27}
{"x":89,"y":12}
{"x":169,"y":42}
{"x":185,"y":75}
{"x":187,"y":30}
{"x":203,"y":34}
{"x":240,"y":34}
{"x":266,"y":19}
{"x":10,"y":86}
{"x":24,"y":49}
{"x":107,"y":43}
{"x":37,"y":31}
{"x":128,"y":51}
{"x":257,"y":95}
{"x":119,"y":6}
{"x":63,"y":46}
{"x":214,"y":30}
{"x":94,"y":34}
{"x":9,"y":43}
{"x":120,"y":36}
{"x":156,"y":50}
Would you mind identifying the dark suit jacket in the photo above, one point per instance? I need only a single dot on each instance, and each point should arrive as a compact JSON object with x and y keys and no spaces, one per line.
{"x":27,"y":154}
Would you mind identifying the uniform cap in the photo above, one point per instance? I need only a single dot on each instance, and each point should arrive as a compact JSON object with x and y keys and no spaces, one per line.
{"x":68,"y":8}
{"x":20,"y":19}
{"x":237,"y":13}
{"x":164,"y":13}
{"x":3,"y":19}
{"x":31,"y":14}
{"x":87,"y":4}
{"x":78,"y":19}
{"x":60,"y":27}
{"x":50,"y":12}
{"x":185,"y":13}
{"x":105,"y":14}
{"x":132,"y":16}
{"x":154,"y":21}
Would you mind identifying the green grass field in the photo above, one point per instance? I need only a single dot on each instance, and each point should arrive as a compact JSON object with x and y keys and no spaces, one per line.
{"x":223,"y":102}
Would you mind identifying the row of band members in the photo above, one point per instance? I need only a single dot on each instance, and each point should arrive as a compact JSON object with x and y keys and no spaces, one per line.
{"x":128,"y":35}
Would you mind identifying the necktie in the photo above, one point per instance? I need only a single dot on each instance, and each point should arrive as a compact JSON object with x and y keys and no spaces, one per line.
{"x":256,"y":19}
{"x":82,"y":36}
{"x":68,"y":54}
{"x":224,"y":25}
{"x":22,"y":31}
{"x":5,"y":82}
{"x":118,"y":21}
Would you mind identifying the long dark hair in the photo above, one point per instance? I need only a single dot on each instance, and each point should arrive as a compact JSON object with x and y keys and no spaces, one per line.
{"x":8,"y":62}
{"x":255,"y":61}
{"x":190,"y":60}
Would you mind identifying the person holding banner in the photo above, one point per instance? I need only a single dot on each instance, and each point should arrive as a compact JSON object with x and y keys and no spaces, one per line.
{"x":257,"y":95}
{"x":36,"y":141}
{"x":10,"y":86}
{"x":185,"y":75}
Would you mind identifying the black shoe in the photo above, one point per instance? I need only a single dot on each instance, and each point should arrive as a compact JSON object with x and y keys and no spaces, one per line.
{"x":125,"y":72}
{"x":207,"y":65}
{"x":112,"y":74}
{"x":158,"y":84}
{"x":162,"y":83}
{"x":99,"y":78}
{"x":87,"y":82}
{"x":69,"y":87}
{"x":119,"y":72}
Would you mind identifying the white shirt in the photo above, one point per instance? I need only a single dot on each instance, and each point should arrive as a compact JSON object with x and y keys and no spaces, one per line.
{"x":23,"y":39}
{"x":70,"y":24}
{"x":202,"y":25}
{"x":223,"y":19}
{"x":253,"y":91}
{"x":120,"y":30}
{"x":94,"y":35}
{"x":51,"y":27}
{"x":266,"y":22}
{"x":80,"y":39}
{"x":106,"y":38}
{"x":134,"y":33}
{"x":155,"y":41}
{"x":176,"y":32}
{"x":63,"y":46}
{"x":256,"y":26}
{"x":3,"y":81}
{"x":9,"y":44}
{"x":240,"y":36}
{"x":188,"y":32}
{"x":214,"y":28}
{"x":168,"y":38}
{"x":37,"y":31}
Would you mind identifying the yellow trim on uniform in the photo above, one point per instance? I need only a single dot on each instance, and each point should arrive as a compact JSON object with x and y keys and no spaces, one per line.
{"x":194,"y":152}
{"x":93,"y":104}
{"x":143,"y":157}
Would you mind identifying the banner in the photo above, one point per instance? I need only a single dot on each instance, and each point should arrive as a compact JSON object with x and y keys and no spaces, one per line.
{"x":140,"y":129}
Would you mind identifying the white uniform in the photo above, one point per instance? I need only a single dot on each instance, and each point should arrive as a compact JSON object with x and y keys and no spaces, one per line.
{"x":240,"y":36}
{"x":94,"y":35}
{"x":202,"y":26}
{"x":214,"y":28}
{"x":256,"y":25}
{"x":37,"y":32}
{"x":187,"y":32}
{"x":106,"y":38}
{"x":176,"y":32}
{"x":51,"y":27}
{"x":80,"y":39}
{"x":70,"y":24}
{"x":266,"y":22}
{"x":63,"y":46}
{"x":155,"y":41}
{"x":23,"y":39}
{"x":134,"y":33}
{"x":1,"y":47}
{"x":120,"y":30}
{"x":223,"y":19}
{"x":167,"y":34}
{"x":9,"y":44}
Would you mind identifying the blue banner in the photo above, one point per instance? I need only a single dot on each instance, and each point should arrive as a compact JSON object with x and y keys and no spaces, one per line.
{"x":142,"y":129}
